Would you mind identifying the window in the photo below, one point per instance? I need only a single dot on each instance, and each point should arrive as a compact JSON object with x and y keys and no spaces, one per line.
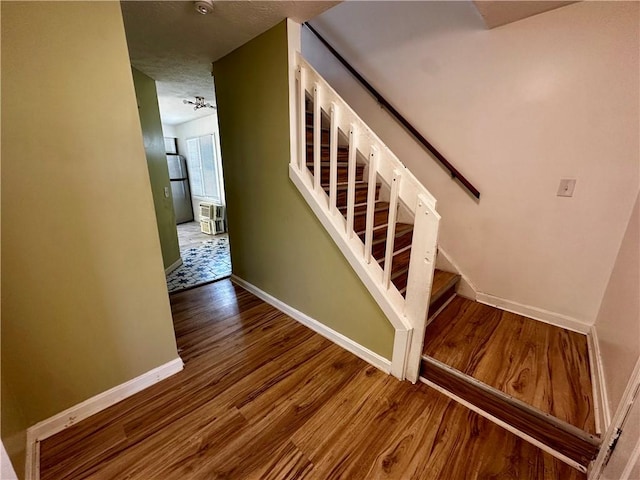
{"x":204,"y":168}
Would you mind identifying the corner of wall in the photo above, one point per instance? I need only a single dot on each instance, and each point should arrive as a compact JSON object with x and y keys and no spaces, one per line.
{"x":466,"y":288}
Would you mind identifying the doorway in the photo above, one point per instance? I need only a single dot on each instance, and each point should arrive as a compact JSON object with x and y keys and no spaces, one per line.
{"x":197,"y":185}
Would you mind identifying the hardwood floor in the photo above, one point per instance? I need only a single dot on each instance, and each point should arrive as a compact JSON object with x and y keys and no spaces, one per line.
{"x":542,"y":365}
{"x":261,"y":396}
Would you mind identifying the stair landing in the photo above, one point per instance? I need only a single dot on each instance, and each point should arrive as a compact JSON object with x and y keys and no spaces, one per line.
{"x":539,"y":364}
{"x":532,"y":375}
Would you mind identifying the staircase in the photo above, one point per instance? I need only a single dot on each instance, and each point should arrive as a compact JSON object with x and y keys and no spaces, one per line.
{"x":565,"y":440}
{"x":403,"y":232}
{"x":380,"y":216}
{"x":385,"y":223}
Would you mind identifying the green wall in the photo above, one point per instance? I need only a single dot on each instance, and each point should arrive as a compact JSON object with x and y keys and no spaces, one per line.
{"x":277,"y":243}
{"x":84,"y":299}
{"x":157,"y":162}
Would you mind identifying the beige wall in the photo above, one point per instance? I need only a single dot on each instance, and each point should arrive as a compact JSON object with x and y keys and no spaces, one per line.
{"x":147,"y":99}
{"x":618,"y":322}
{"x":276,"y":241}
{"x":516,"y":109}
{"x":84,"y":300}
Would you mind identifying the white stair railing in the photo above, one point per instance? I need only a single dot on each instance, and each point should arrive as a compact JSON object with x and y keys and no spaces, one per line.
{"x":406,"y":313}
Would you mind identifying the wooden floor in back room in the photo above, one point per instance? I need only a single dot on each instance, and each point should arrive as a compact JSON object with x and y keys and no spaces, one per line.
{"x":262,"y":396}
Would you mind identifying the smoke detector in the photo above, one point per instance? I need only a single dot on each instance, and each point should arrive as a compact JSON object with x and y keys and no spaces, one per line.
{"x":203,"y":6}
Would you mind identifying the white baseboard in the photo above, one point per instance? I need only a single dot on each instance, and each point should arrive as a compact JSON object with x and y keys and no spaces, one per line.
{"x":467,"y":289}
{"x":600,"y":398}
{"x":358,"y":350}
{"x":546,"y":316}
{"x":173,"y":266}
{"x":6,"y":469}
{"x":91,"y":406}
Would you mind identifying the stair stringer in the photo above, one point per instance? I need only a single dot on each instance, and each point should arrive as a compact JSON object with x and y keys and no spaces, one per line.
{"x":407,"y":314}
{"x":403,"y":329}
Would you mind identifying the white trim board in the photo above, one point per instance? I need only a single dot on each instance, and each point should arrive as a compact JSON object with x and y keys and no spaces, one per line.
{"x":634,"y":459}
{"x":505,"y":425}
{"x":358,"y":350}
{"x":600,"y":398}
{"x":617,"y":422}
{"x":546,"y":316}
{"x":91,"y":406}
{"x":173,"y":266}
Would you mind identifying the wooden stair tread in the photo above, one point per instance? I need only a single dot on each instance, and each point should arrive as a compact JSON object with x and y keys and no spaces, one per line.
{"x":442,"y":281}
{"x":400,"y":259}
{"x":361,"y":208}
{"x":380,"y":233}
{"x":342,"y":186}
{"x":339,"y":163}
{"x":325,"y":146}
{"x":563,"y":437}
{"x":443,"y":289}
{"x":310,"y":127}
{"x":523,"y":372}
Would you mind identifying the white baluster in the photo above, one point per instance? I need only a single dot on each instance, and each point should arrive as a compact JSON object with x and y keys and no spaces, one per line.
{"x":302,"y":119}
{"x":333,"y":157}
{"x":371,"y":200}
{"x":351,"y":180}
{"x":317,"y":145}
{"x":391,"y":228}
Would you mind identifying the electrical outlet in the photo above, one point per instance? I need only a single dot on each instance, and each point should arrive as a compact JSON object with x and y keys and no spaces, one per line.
{"x":567,"y":185}
{"x":166,"y":192}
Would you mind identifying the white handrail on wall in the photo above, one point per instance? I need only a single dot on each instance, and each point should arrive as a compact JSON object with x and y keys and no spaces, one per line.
{"x":406,"y":314}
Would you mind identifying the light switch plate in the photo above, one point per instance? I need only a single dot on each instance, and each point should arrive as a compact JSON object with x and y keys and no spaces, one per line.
{"x":166,"y":192}
{"x":566,"y":188}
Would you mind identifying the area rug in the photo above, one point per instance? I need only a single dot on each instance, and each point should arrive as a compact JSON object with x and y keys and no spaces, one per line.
{"x":201,"y":264}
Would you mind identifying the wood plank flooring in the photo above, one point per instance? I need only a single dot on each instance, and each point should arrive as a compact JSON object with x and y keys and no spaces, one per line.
{"x":542,"y":365}
{"x":261,"y":396}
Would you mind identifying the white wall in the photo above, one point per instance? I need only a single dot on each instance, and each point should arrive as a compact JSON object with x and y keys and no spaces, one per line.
{"x":6,"y":469}
{"x":515,"y":109}
{"x":618,"y":324}
{"x":169,"y":131}
{"x":197,"y":128}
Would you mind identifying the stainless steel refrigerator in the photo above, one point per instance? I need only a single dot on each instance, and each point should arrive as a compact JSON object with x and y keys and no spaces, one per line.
{"x":179,"y":178}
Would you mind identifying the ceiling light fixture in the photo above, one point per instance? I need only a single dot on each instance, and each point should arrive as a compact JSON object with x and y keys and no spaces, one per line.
{"x":204,"y":7}
{"x":199,"y":103}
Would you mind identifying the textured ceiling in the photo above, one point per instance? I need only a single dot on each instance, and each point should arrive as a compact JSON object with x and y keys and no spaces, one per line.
{"x":175,"y":45}
{"x":501,"y":12}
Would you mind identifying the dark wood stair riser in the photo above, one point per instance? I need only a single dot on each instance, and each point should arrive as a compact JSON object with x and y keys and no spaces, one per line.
{"x":562,"y":437}
{"x":324,"y":136}
{"x":435,"y":305}
{"x":380,"y":217}
{"x":399,"y":261}
{"x":342,"y":173}
{"x":400,"y":270}
{"x":402,"y":240}
{"x":362,"y":191}
{"x":343,"y":154}
{"x":443,"y":289}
